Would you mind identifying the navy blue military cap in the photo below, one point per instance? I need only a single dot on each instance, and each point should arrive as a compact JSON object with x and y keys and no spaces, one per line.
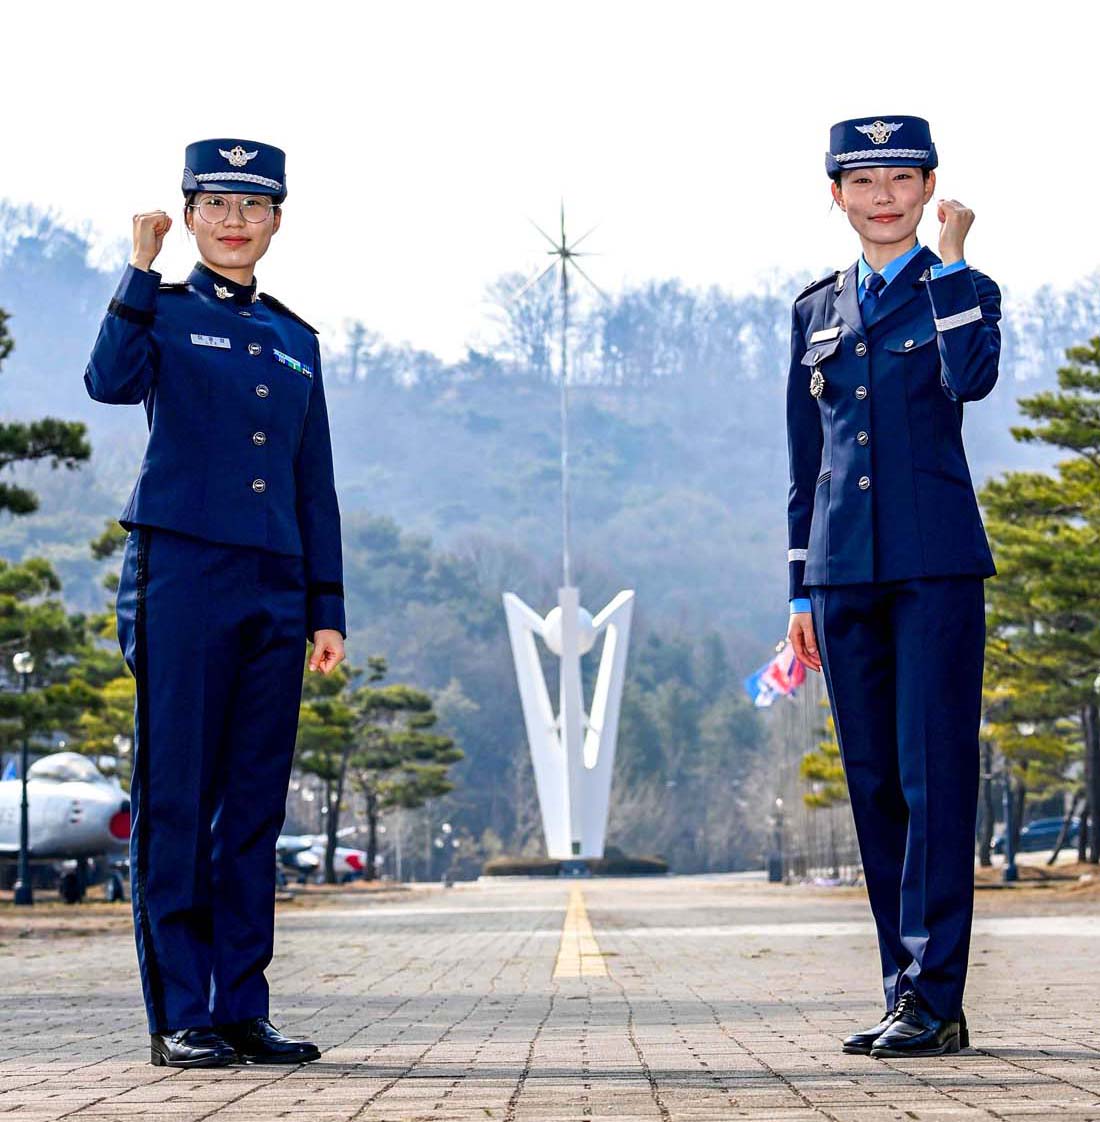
{"x":242,"y":166}
{"x":874,"y":142}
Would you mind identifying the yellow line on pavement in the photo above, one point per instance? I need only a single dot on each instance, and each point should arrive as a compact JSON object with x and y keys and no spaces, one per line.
{"x":579,"y":954}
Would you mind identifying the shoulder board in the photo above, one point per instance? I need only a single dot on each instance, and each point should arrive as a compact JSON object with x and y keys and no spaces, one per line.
{"x":175,"y":286}
{"x":279,"y":306}
{"x":815,"y":285}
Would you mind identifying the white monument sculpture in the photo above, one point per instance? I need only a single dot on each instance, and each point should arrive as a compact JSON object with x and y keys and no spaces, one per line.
{"x":573,"y":751}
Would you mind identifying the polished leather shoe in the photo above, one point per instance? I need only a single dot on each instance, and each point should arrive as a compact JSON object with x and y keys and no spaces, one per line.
{"x":860,"y":1043}
{"x":917,"y":1031}
{"x":258,"y":1041}
{"x":198,"y":1047}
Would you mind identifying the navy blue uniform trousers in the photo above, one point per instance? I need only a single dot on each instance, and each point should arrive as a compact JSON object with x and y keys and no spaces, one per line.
{"x":215,"y":637}
{"x":903,"y":663}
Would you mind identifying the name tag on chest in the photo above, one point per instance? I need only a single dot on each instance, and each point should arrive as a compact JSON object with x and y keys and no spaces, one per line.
{"x":210,"y":341}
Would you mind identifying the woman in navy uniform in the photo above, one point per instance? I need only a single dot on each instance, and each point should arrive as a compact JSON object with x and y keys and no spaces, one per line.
{"x":232,"y":562}
{"x":887,"y":557}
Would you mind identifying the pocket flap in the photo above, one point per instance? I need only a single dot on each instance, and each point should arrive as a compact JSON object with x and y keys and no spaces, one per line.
{"x":819,"y":352}
{"x":904,"y":344}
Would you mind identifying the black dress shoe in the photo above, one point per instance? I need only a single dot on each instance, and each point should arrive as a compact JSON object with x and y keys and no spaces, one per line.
{"x":258,"y":1041}
{"x":199,"y":1047}
{"x":917,"y":1031}
{"x":859,"y":1043}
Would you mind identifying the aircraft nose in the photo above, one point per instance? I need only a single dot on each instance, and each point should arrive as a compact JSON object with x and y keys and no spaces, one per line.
{"x":119,"y":826}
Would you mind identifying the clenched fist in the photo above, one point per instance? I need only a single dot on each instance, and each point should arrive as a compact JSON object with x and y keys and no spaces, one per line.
{"x":149,"y":231}
{"x":955,"y":222}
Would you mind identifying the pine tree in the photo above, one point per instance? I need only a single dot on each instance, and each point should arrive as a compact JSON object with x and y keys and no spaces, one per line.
{"x":823,"y":768}
{"x":1044,"y":608}
{"x":397,"y":761}
{"x":61,"y":443}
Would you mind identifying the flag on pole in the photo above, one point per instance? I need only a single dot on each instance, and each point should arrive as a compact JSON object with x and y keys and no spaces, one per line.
{"x":779,"y":677}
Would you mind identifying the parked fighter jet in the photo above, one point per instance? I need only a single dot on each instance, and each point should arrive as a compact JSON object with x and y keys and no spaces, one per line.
{"x":75,"y":813}
{"x":303,"y":856}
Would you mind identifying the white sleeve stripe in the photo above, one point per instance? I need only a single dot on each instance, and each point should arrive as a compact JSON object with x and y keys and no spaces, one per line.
{"x":948,"y":322}
{"x":797,"y":554}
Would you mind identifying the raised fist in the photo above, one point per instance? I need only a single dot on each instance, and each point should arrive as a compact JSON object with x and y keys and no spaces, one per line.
{"x":149,"y":231}
{"x":955,"y":222}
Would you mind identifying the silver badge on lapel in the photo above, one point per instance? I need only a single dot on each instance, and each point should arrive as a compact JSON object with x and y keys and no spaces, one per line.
{"x":817,"y":383}
{"x":221,"y":292}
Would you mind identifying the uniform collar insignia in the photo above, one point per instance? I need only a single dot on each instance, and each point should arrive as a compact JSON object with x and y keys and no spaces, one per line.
{"x":213,"y":285}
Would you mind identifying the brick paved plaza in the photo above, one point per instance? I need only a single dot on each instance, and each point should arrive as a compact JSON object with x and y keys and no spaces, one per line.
{"x":685,"y":998}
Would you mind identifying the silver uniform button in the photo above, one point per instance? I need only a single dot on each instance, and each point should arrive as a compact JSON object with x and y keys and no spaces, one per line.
{"x":259,"y":438}
{"x":262,"y":390}
{"x":259,"y":486}
{"x":864,"y":482}
{"x":861,"y":349}
{"x":908,"y":343}
{"x":862,"y":437}
{"x":242,"y":312}
{"x":254,"y":348}
{"x":861,"y":392}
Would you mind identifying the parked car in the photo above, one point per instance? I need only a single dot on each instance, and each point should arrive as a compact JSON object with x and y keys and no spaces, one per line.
{"x":1040,"y":834}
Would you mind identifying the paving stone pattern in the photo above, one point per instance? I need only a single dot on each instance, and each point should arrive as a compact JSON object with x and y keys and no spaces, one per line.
{"x":719,"y":1000}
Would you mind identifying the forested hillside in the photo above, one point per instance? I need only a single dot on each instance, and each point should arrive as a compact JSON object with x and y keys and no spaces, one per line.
{"x":448,"y":476}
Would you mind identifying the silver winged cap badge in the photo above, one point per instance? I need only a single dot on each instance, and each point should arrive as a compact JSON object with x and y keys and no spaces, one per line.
{"x":237,"y":156}
{"x":880,"y":131}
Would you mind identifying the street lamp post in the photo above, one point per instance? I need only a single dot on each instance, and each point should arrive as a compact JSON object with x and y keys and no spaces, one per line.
{"x":1011,"y":874}
{"x":777,"y":873}
{"x":23,"y":662}
{"x":122,"y":744}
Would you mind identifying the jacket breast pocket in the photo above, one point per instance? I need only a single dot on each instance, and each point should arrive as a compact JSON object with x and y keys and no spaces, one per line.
{"x":816,"y":360}
{"x":819,"y":352}
{"x":913,"y":342}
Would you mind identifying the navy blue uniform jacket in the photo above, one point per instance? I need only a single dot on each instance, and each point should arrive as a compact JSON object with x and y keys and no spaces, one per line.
{"x":239,"y":449}
{"x":880,"y":487}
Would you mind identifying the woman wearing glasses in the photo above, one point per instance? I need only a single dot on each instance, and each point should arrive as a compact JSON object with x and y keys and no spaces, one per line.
{"x":232,"y":562}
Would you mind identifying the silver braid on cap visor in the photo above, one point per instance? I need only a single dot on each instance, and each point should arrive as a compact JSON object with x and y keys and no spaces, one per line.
{"x":238,"y":177}
{"x":882,"y":153}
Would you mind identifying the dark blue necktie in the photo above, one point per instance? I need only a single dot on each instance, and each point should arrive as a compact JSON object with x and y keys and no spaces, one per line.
{"x":872,"y":287}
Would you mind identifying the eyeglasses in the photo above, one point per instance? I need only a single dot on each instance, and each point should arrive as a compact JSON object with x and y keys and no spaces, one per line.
{"x":216,"y":208}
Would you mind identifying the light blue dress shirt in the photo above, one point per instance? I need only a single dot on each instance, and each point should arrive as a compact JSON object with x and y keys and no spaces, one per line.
{"x":887,"y":272}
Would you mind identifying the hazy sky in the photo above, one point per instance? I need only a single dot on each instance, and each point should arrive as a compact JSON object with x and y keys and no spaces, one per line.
{"x":421,"y":136}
